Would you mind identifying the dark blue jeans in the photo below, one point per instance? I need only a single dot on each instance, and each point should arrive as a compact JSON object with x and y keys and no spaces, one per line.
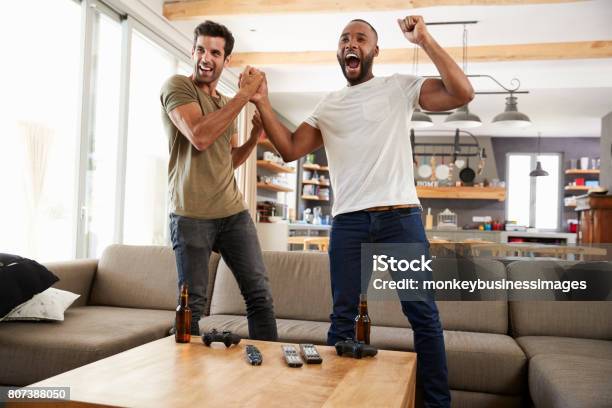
{"x":348,"y":232}
{"x":235,"y":238}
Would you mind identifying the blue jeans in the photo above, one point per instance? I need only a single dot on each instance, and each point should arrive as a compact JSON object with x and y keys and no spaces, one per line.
{"x":235,"y":238}
{"x":348,"y":232}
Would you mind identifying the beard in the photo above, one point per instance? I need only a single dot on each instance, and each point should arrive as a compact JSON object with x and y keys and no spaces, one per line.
{"x":364,"y":69}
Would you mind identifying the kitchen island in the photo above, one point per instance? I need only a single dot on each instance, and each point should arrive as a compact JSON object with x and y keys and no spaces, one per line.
{"x":459,"y":235}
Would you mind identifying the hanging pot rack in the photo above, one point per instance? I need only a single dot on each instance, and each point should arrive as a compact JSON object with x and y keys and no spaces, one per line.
{"x":455,"y":149}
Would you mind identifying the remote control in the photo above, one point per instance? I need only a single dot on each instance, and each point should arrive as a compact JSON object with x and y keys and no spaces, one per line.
{"x":253,"y":355}
{"x":310,"y":354}
{"x":291,"y":356}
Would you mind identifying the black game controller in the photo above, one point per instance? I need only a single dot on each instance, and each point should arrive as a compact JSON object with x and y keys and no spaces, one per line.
{"x":354,"y":349}
{"x":225,"y":337}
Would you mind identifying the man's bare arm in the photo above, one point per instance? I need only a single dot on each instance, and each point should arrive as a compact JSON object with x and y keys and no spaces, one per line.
{"x":241,"y":153}
{"x":203,"y":130}
{"x":291,"y":146}
{"x":454,"y":89}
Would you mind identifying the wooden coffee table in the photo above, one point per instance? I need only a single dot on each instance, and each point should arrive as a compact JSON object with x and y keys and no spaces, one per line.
{"x":166,"y":374}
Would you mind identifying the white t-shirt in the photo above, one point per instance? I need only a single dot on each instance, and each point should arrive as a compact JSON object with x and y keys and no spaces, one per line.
{"x":367,"y":140}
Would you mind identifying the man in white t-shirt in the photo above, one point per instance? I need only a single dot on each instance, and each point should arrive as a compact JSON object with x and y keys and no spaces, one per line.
{"x":364,"y":128}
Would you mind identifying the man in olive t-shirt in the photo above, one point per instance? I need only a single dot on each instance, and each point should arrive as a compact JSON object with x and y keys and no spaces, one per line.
{"x":207,"y":210}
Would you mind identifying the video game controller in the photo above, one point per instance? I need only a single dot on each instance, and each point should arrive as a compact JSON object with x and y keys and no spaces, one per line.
{"x":225,"y":337}
{"x":354,"y":349}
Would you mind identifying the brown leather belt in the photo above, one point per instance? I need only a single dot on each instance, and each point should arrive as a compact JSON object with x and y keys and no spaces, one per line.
{"x":392,"y":207}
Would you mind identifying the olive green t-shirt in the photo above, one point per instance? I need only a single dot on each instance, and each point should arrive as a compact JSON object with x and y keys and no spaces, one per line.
{"x":201,"y":184}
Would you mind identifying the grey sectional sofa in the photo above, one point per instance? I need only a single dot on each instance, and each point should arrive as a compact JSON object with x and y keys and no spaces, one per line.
{"x":500,"y":353}
{"x":127,"y":299}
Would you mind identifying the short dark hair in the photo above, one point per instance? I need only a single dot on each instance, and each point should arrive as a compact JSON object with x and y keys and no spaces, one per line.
{"x":212,"y":29}
{"x":369,"y":25}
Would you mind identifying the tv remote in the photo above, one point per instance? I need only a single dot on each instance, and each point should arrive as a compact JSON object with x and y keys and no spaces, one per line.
{"x":253,"y":355}
{"x":310,"y":354}
{"x":291,"y":356}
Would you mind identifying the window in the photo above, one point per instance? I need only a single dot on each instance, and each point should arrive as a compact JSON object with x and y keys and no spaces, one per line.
{"x":101,"y":168}
{"x":146,"y":215}
{"x":40,"y":108}
{"x":533,"y":201}
{"x":83,"y":153}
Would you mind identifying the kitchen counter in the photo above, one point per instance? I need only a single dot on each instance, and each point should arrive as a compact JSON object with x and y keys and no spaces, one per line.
{"x":501,"y":236}
{"x":299,"y":226}
{"x":566,"y":237}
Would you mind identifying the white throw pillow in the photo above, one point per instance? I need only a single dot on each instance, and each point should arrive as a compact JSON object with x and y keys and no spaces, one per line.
{"x":47,"y":305}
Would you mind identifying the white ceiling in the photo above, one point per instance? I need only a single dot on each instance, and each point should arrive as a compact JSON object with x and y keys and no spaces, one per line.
{"x":567,"y":97}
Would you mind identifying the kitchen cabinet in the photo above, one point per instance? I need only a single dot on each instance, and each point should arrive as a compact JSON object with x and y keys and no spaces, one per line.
{"x":595,"y":218}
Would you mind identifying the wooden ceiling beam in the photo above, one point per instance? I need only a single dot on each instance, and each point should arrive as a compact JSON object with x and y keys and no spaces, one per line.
{"x":200,"y":9}
{"x":479,"y":53}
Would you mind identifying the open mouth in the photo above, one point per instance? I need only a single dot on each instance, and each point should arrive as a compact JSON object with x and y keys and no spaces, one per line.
{"x":204,"y":70}
{"x":352,"y":61}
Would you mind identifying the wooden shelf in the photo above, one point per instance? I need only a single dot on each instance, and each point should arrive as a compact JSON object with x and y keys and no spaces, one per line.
{"x":274,"y":187}
{"x":458,"y":193}
{"x":266,"y":143}
{"x":316,"y":167}
{"x":580,"y":171}
{"x":314,"y":198}
{"x":578,"y":188}
{"x":275,"y":167}
{"x":316,"y":183}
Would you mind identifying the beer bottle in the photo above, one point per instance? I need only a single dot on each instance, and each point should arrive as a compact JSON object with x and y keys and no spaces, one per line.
{"x":183,"y":317}
{"x":362,"y":321}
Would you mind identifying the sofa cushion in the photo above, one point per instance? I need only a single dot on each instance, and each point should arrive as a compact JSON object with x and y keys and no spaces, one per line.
{"x":556,"y":318}
{"x":567,"y":381}
{"x":470,"y":399}
{"x":536,"y":345}
{"x":75,"y":276}
{"x":487,"y":316}
{"x":299,"y":282}
{"x":295,"y":331}
{"x":31,"y":351}
{"x":301,"y":290}
{"x":482,"y":362}
{"x":20,"y":280}
{"x":139,"y":276}
{"x":485,"y":362}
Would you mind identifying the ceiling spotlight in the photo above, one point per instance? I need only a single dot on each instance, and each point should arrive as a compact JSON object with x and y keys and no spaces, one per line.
{"x":420,"y":120}
{"x":511,"y":117}
{"x":462,"y":118}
